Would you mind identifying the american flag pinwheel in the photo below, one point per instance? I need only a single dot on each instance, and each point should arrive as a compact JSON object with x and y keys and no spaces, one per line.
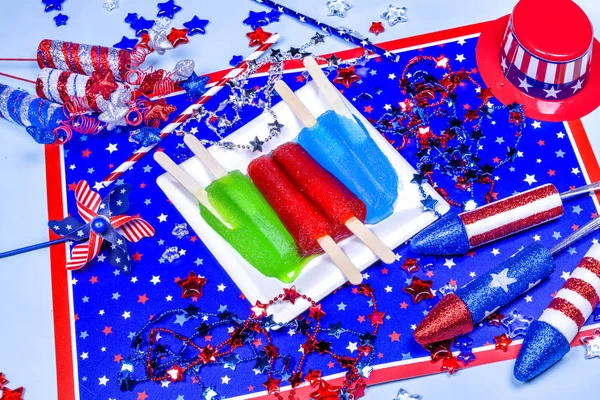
{"x":104,"y":221}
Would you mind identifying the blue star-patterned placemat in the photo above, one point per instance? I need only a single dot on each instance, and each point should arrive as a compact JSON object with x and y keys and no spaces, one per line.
{"x":110,"y":306}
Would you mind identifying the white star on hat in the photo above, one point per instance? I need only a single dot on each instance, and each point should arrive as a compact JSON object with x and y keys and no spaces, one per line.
{"x":523,"y":84}
{"x":552,"y":92}
{"x":577,"y":86}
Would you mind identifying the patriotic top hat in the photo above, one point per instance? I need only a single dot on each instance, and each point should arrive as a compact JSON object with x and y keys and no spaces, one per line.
{"x":541,"y":57}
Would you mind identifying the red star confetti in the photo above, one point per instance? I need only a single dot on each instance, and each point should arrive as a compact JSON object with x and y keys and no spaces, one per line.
{"x":192,"y":285}
{"x":439,"y":350}
{"x":175,"y":374}
{"x":419,"y":290}
{"x":272,"y":385}
{"x":313,"y":377}
{"x":495,"y":319}
{"x":376,"y":317}
{"x":346,"y":76}
{"x":450,"y":365}
{"x":376,"y":28}
{"x":326,"y":392}
{"x":290,"y":294}
{"x":258,"y":37}
{"x":316,"y":312}
{"x":259,"y":309}
{"x":178,"y":36}
{"x":502,"y":342}
{"x":410,"y":265}
{"x":208,"y":354}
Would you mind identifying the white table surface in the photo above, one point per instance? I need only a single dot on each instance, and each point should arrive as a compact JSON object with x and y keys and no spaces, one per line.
{"x":26,"y":327}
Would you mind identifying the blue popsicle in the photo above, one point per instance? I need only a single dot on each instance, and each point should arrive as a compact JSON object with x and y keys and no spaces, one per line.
{"x":346,"y":150}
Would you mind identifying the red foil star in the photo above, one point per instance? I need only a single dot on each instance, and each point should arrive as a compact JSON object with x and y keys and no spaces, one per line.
{"x":295,"y":379}
{"x":175,"y":374}
{"x":258,"y":37}
{"x":158,"y":110}
{"x":272,"y":385}
{"x":259,"y":309}
{"x":410,"y":264}
{"x":316,"y":312}
{"x":419,"y":290}
{"x":495,"y":319}
{"x":346,"y":76}
{"x":271,"y":350}
{"x":485,"y":95}
{"x":366,"y":289}
{"x":3,"y":380}
{"x":207,"y":354}
{"x":439,"y":350}
{"x":376,"y":28}
{"x":376,"y":317}
{"x":450,"y":365}
{"x":313,"y":377}
{"x":290,"y":294}
{"x":192,"y":285}
{"x":177,"y":36}
{"x":102,"y":83}
{"x":326,"y":392}
{"x":441,"y":61}
{"x":502,"y":342}
{"x":8,"y":394}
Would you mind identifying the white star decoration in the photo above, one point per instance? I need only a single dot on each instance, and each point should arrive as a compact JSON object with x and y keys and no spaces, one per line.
{"x":501,"y":280}
{"x":552,"y":92}
{"x":523,"y":84}
{"x":577,"y":86}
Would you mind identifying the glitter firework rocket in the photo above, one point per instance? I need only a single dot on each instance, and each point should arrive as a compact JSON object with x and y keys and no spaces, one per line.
{"x":458,"y":233}
{"x":548,"y":339}
{"x":456,"y":313}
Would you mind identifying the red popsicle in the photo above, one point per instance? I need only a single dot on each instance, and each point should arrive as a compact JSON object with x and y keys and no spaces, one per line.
{"x":302,"y":219}
{"x":336,"y":202}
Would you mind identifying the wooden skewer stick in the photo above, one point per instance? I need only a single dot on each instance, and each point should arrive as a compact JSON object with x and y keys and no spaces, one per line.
{"x":326,"y":87}
{"x":340,"y":259}
{"x":204,"y":156}
{"x":354,"y":224}
{"x":187,"y":182}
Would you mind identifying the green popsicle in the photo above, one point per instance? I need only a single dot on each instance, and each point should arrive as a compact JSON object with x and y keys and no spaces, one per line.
{"x":256,"y":231}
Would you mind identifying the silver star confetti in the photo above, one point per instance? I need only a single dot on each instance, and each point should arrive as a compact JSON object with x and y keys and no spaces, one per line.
{"x":404,"y":395}
{"x":183,"y":70}
{"x":114,"y":110}
{"x":158,"y":40}
{"x":110,"y":4}
{"x":516,"y":323}
{"x":592,"y":344}
{"x":394,"y":14}
{"x":338,"y":8}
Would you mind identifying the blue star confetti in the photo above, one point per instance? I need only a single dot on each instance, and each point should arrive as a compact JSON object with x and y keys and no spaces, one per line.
{"x":256,"y":19}
{"x":168,"y":9}
{"x":196,"y":26}
{"x":126,"y":43}
{"x":194,"y":86}
{"x":53,"y":5}
{"x":235,"y":60}
{"x":140,"y":25}
{"x":61,"y":19}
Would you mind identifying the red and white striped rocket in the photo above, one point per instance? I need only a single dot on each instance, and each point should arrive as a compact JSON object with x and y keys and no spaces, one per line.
{"x":549,"y":338}
{"x":458,"y":233}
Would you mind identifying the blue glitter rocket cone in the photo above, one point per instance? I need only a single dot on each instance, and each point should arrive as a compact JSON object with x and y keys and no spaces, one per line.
{"x":446,"y":236}
{"x":543,"y":347}
{"x":547,"y":340}
{"x":40,"y":117}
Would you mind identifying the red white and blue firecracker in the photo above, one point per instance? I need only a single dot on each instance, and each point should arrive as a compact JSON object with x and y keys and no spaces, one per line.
{"x":457,"y":312}
{"x":548,"y":339}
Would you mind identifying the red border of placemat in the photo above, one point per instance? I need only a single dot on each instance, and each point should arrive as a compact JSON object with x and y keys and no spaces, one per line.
{"x":63,"y":338}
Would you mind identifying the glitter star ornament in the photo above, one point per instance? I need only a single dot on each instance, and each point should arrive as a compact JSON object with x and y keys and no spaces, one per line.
{"x":592,"y":344}
{"x":194,"y":86}
{"x":110,"y":4}
{"x":394,"y":14}
{"x":338,"y":8}
{"x":404,"y":395}
{"x":158,"y":40}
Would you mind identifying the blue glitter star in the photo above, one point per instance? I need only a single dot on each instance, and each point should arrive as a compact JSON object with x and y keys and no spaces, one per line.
{"x":52,"y":5}
{"x":256,"y":19}
{"x":61,"y":19}
{"x":196,"y":26}
{"x":194,"y":86}
{"x":146,"y":136}
{"x":235,"y":60}
{"x":126,"y":43}
{"x":131,"y":17}
{"x":429,"y":203}
{"x":273,"y":16}
{"x":141,"y":25}
{"x":168,"y":9}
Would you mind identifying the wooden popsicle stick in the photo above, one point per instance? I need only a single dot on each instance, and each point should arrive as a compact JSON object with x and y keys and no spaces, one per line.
{"x":340,"y":259}
{"x":371,"y":240}
{"x":294,"y":103}
{"x":332,"y":95}
{"x":187,"y":182}
{"x":204,"y":156}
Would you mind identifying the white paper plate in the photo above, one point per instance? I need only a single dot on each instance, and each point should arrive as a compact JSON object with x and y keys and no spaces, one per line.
{"x":320,"y":276}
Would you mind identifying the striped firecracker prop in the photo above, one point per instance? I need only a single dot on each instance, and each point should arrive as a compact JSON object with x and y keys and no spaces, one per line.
{"x":141,"y":152}
{"x":83,"y":59}
{"x":63,"y":86}
{"x":458,"y":233}
{"x":548,"y":339}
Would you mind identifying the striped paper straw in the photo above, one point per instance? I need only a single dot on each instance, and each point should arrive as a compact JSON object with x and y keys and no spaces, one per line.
{"x":184,"y":116}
